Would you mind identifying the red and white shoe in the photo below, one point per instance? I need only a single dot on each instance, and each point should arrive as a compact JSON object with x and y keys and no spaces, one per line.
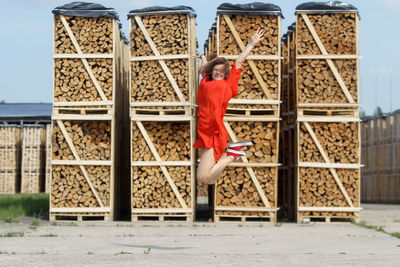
{"x":239,"y":146}
{"x":235,"y":154}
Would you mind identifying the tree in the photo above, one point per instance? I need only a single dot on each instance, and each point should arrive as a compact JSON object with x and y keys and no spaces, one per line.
{"x":378,"y":111}
{"x":2,"y":102}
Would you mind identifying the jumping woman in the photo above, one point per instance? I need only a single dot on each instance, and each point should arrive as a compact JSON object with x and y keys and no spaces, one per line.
{"x":216,"y":88}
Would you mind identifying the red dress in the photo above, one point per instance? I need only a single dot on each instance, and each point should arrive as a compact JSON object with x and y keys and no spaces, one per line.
{"x":212,"y":99}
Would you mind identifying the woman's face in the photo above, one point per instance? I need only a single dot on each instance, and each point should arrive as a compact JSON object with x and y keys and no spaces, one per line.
{"x":217,"y":73}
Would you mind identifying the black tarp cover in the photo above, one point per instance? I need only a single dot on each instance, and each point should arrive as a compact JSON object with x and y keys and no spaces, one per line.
{"x":83,"y":9}
{"x":255,"y":8}
{"x":163,"y":10}
{"x":330,"y":6}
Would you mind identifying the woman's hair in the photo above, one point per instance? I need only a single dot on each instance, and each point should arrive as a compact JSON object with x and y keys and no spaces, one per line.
{"x":208,"y":68}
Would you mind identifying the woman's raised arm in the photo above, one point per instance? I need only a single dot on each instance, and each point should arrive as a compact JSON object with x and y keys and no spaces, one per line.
{"x":254,"y":40}
{"x":203,"y":61}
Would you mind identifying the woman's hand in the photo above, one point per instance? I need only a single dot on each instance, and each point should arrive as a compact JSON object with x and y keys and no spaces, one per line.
{"x":254,"y":39}
{"x":257,"y":36}
{"x":203,"y":59}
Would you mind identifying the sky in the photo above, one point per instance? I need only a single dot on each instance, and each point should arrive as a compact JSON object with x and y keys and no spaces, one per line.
{"x":26,"y":47}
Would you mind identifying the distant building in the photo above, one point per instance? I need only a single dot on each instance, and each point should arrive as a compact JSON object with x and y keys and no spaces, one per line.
{"x":25,"y":113}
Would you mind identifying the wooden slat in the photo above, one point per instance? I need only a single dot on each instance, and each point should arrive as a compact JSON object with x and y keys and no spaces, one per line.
{"x":161,"y":163}
{"x":82,"y":117}
{"x":251,"y":63}
{"x":82,"y":162}
{"x":329,"y":165}
{"x":85,"y":62}
{"x":327,"y":57}
{"x":222,"y":208}
{"x":76,"y":156}
{"x":337,"y":209}
{"x":78,"y":210}
{"x":163,"y":168}
{"x":159,"y":57}
{"x":162,"y":210}
{"x":162,"y":62}
{"x":83,"y":56}
{"x":329,"y":61}
{"x":326,"y":158}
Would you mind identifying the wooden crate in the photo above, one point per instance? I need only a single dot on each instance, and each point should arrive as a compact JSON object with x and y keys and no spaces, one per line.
{"x":48,"y":160}
{"x":163,"y":179}
{"x":87,"y":51}
{"x":32,"y":162}
{"x":259,"y":87}
{"x":291,"y":37}
{"x":210,"y":48}
{"x":327,"y":67}
{"x":247,"y":190}
{"x":328,"y":167}
{"x":285,"y":76}
{"x":162,"y":69}
{"x":10,"y":149}
{"x":83,"y":167}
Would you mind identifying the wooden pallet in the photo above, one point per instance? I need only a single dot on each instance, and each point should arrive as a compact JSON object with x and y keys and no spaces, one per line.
{"x":188,"y":217}
{"x":237,"y":218}
{"x":80,"y":217}
{"x":247,"y":112}
{"x":160,"y":112}
{"x":327,"y":219}
{"x":77,"y":110}
{"x":157,"y":57}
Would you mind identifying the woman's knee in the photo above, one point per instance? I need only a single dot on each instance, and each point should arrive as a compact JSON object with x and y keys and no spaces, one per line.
{"x":204,"y":179}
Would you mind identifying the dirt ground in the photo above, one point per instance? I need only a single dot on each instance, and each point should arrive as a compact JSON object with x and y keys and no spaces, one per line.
{"x":204,"y":244}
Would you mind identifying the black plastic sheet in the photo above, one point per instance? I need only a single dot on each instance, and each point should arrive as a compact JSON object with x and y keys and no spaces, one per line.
{"x":163,"y":10}
{"x":255,"y":8}
{"x":331,"y":6}
{"x":88,"y":10}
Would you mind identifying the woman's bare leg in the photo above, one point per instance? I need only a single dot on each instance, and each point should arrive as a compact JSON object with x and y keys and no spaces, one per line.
{"x":209,"y":171}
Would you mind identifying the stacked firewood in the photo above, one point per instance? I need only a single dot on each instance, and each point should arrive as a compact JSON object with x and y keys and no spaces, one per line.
{"x":91,"y":141}
{"x":327,"y":134}
{"x":236,"y":189}
{"x":88,"y":67}
{"x":316,"y":80}
{"x":94,"y":35}
{"x":339,"y":140}
{"x":171,"y":35}
{"x":150,"y":83}
{"x":260,"y":81}
{"x":162,"y":74}
{"x":73,"y":82}
{"x":71,"y":189}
